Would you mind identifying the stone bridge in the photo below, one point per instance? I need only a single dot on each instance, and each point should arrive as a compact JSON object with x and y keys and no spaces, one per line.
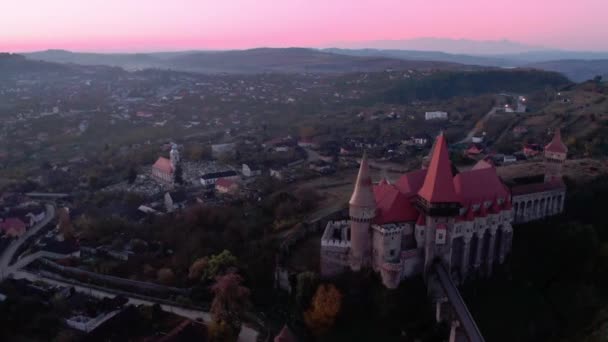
{"x":450,"y":307}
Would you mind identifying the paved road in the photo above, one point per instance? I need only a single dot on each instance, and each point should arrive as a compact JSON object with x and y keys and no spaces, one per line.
{"x":247,"y":334}
{"x":8,"y":253}
{"x":473,"y":131}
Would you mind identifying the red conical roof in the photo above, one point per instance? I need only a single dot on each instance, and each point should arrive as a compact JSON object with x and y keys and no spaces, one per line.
{"x":556,"y":145}
{"x":363,"y":195}
{"x":438,"y":184}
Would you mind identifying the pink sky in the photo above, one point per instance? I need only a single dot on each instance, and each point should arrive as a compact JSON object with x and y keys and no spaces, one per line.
{"x":149,"y":25}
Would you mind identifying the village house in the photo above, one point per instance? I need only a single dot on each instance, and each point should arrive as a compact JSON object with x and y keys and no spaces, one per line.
{"x":226,"y":186}
{"x":437,"y":115}
{"x":210,"y":178}
{"x":250,"y":170}
{"x":307,"y":142}
{"x":12,"y":227}
{"x":164,"y":169}
{"x":532,"y":150}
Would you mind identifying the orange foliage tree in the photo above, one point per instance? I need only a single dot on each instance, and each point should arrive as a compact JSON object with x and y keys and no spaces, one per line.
{"x":324,"y":309}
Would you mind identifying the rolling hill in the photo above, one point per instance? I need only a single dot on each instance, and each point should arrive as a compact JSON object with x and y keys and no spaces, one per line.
{"x":576,"y":70}
{"x":295,"y":60}
{"x":286,"y":60}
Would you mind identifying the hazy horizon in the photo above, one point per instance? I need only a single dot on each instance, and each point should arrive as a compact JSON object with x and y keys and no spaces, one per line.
{"x":139,"y":26}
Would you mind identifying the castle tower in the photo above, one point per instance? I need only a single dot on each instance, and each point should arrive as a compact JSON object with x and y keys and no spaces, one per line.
{"x":438,"y":201}
{"x":174,"y":156}
{"x":555,"y":157}
{"x":362,"y":210}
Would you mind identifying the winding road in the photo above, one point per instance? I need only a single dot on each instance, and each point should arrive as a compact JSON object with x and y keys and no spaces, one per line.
{"x":9,"y":253}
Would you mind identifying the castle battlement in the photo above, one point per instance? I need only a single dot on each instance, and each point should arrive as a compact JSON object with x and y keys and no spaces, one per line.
{"x":335,"y":243}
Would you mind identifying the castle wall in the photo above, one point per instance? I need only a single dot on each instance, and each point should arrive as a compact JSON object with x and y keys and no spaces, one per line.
{"x":538,"y":205}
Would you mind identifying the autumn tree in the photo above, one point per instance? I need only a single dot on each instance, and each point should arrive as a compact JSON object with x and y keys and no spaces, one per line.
{"x":66,"y":229}
{"x":324,"y":309}
{"x":165,"y":276}
{"x":197,"y":268}
{"x":230,"y":301}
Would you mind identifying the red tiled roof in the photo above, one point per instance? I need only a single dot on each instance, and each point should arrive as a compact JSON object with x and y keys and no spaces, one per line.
{"x":483,"y":164}
{"x":393,"y":205}
{"x":442,"y":226}
{"x":556,"y":145}
{"x":12,"y":223}
{"x":438,"y":184}
{"x":224,"y":183}
{"x":363,"y":195}
{"x":473,"y":149}
{"x":411,"y":182}
{"x":476,"y":186}
{"x":164,"y":165}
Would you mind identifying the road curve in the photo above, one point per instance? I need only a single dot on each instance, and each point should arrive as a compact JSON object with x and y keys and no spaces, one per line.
{"x":8,"y":254}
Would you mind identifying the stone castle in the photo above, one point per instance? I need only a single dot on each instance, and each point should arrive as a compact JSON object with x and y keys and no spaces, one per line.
{"x":461,"y":219}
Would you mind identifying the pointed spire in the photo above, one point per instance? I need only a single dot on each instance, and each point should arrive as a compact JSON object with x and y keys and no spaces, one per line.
{"x":556,"y":145}
{"x":438,"y":184}
{"x":363,"y":195}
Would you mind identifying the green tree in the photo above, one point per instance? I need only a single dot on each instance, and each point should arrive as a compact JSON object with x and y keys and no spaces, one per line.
{"x":220,"y":263}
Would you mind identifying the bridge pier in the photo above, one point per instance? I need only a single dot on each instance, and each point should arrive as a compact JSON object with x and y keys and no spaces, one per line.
{"x":453,"y":330}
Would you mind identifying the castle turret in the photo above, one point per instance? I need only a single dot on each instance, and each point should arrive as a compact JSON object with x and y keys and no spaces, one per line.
{"x":362,"y":210}
{"x":555,"y":157}
{"x":437,"y":200}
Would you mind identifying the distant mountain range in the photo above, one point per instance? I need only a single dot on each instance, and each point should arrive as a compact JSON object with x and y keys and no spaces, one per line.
{"x":578,"y":66}
{"x":244,"y":61}
{"x":452,"y":46}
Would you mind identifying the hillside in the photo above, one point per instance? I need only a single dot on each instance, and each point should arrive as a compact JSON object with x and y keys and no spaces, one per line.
{"x":289,"y":60}
{"x":576,"y":70}
{"x":449,"y":84}
{"x":12,"y":65}
{"x":294,"y":60}
{"x":126,"y":61}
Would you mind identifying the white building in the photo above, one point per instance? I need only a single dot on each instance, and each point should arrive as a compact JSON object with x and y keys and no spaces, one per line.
{"x":436,"y":115}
